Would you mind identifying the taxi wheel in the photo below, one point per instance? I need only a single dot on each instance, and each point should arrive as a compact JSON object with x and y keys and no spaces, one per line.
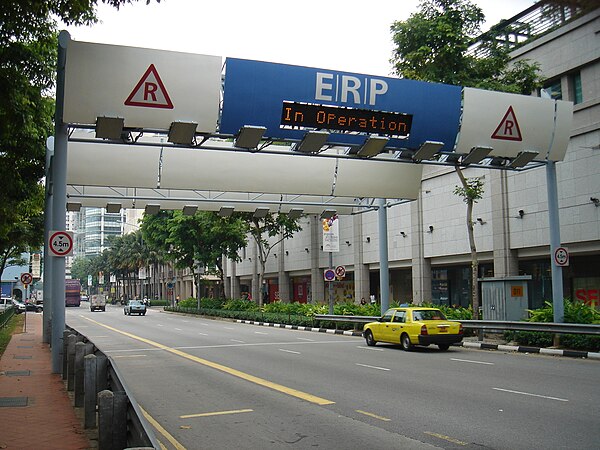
{"x":405,"y":342}
{"x":444,"y":347}
{"x":369,"y":338}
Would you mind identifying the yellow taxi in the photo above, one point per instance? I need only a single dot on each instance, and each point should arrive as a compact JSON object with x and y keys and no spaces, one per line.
{"x":414,"y":326}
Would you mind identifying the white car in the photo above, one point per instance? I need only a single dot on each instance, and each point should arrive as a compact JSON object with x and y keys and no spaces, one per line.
{"x":5,"y":302}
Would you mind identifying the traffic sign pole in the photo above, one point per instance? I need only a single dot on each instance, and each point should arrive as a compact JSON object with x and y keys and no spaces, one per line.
{"x":59,"y":193}
{"x":554,"y":225}
{"x":384,"y":275}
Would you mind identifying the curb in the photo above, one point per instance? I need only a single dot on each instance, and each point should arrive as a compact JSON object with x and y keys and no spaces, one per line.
{"x":475,"y":345}
{"x":296,"y":327}
{"x":525,"y":349}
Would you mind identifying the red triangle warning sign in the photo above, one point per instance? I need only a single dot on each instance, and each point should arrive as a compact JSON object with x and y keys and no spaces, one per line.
{"x":508,"y":130}
{"x":150,"y":92}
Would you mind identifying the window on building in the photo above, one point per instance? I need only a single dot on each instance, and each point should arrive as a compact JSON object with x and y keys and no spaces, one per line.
{"x":554,"y":89}
{"x":575,"y":92}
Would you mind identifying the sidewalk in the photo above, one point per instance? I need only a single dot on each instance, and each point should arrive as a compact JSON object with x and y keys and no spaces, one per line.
{"x":35,"y":409}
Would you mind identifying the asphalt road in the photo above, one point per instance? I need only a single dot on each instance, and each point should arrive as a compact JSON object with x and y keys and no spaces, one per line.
{"x":212,"y":384}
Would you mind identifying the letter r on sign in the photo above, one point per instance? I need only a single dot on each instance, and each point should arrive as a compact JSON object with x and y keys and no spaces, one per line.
{"x":150,"y":90}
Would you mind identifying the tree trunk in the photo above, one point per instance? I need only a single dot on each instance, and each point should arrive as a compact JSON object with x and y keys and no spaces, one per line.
{"x":473,"y":248}
{"x":219,"y":263}
{"x":474,"y":263}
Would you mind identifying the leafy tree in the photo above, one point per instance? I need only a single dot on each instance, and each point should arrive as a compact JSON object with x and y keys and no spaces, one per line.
{"x":197,"y":242}
{"x":262,"y":229}
{"x":431,"y":45}
{"x":81,"y":268}
{"x":21,"y":229}
{"x":28,"y":33}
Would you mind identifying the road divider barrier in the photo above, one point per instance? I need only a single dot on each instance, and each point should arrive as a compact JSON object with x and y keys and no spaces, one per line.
{"x":106,"y":401}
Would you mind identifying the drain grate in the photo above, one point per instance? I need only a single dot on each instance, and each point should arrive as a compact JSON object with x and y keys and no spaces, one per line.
{"x":18,"y":373}
{"x":8,"y":402}
{"x":22,"y":357}
{"x":24,"y":346}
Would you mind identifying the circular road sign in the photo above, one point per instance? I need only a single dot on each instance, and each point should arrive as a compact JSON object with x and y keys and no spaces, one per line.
{"x":26,"y":278}
{"x":561,"y":256}
{"x":340,"y":271}
{"x":61,"y":243}
{"x":329,"y":274}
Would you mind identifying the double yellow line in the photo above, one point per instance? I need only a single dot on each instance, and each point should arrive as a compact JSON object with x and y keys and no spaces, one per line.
{"x":236,"y":373}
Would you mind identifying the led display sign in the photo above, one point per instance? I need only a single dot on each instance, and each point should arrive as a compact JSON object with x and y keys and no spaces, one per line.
{"x":311,"y":116}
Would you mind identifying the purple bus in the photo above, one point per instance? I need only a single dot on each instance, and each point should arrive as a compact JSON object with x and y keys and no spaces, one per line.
{"x":72,"y":292}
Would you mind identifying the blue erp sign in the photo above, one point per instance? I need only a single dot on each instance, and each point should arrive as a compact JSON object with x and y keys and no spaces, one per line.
{"x":288,"y":100}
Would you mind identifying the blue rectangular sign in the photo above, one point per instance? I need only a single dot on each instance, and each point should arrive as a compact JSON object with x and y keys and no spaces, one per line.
{"x":349,"y":105}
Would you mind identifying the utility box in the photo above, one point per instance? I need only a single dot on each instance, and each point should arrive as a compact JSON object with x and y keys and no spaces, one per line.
{"x":504,"y":298}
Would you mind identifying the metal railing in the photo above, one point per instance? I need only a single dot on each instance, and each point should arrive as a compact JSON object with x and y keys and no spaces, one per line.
{"x":496,"y":325}
{"x":6,"y":315}
{"x":537,"y":20}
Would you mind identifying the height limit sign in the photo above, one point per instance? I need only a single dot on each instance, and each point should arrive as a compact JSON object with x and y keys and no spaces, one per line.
{"x":561,"y":257}
{"x":60,"y":243}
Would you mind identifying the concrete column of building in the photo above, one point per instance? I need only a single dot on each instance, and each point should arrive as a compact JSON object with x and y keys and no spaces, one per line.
{"x":283,"y":278}
{"x":227,"y":264}
{"x":361,"y":271}
{"x":505,"y":260}
{"x":317,"y":283}
{"x":255,"y":284}
{"x":421,"y":266}
{"x":235,"y":286}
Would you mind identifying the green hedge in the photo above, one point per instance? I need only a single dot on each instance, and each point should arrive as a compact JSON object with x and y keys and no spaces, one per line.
{"x":575,"y":312}
{"x":295,"y":313}
{"x":159,"y":303}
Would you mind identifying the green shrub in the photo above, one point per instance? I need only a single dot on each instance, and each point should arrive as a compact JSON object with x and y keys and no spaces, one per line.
{"x":531,"y":338}
{"x":159,"y":303}
{"x":581,"y":342}
{"x":188,"y":303}
{"x":575,"y":312}
{"x":240,"y":305}
{"x":211,"y":303}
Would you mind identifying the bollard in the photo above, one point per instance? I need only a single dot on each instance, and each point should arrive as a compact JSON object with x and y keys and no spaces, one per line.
{"x":89,"y":387}
{"x":105,"y":420}
{"x":119,"y":427}
{"x":65,"y":344}
{"x":112,"y":420}
{"x":78,"y":381}
{"x":101,"y":372}
{"x":72,"y":340}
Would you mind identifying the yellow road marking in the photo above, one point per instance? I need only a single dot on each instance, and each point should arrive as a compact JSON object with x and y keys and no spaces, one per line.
{"x":446,"y":438}
{"x":162,"y":446}
{"x":236,"y":373}
{"x":217,"y":413}
{"x":162,"y":431}
{"x":385,"y":419}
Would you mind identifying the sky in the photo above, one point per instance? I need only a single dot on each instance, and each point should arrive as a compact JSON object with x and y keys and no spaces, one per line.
{"x":343,"y":35}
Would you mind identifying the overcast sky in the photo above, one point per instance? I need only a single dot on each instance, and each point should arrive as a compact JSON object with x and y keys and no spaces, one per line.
{"x":344,"y":35}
